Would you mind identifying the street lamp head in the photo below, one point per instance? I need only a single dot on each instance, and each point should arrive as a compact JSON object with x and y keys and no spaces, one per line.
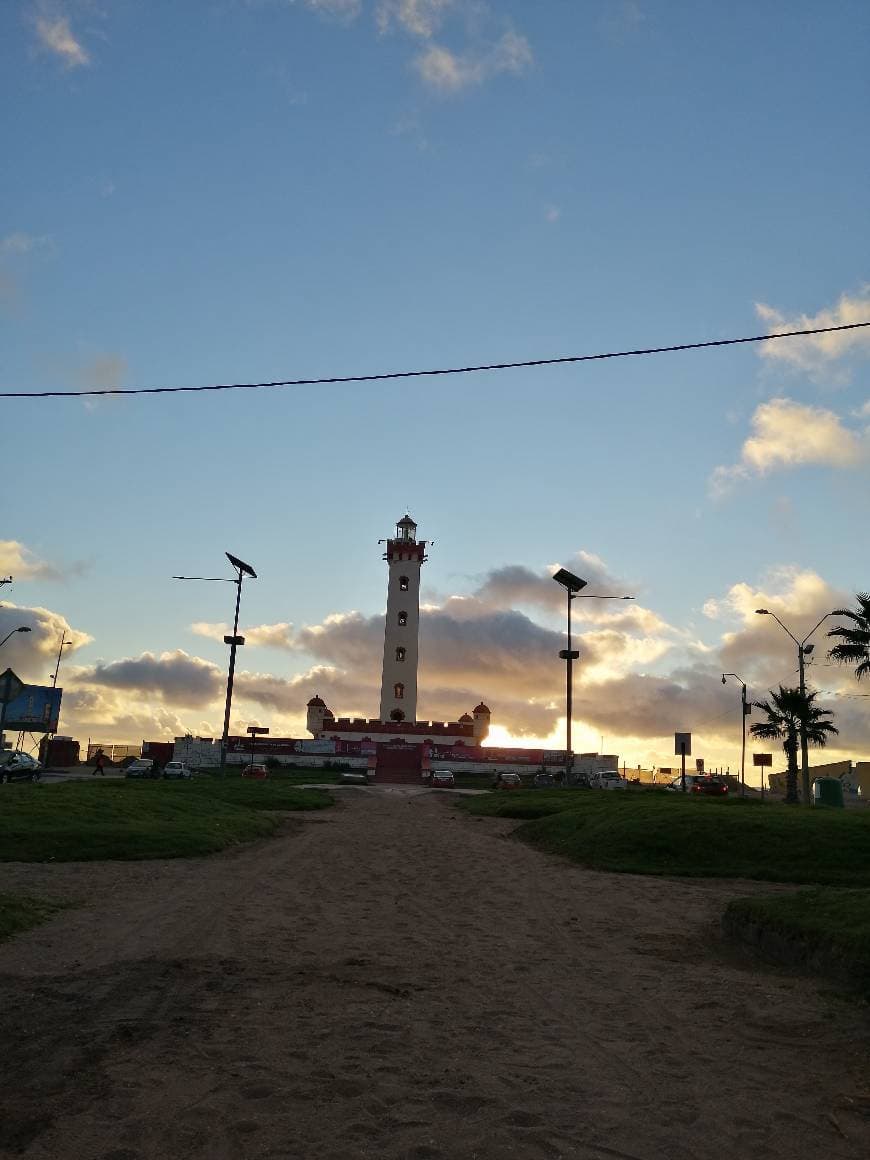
{"x":724,"y":682}
{"x":24,"y":628}
{"x":569,"y":580}
{"x":762,"y":612}
{"x":241,"y":565}
{"x":808,"y":648}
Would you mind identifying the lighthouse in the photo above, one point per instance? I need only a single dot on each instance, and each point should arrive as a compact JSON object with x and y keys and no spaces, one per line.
{"x":404,"y":556}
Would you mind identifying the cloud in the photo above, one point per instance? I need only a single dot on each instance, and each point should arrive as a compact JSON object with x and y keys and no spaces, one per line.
{"x":22,"y":243}
{"x":18,"y":561}
{"x":173,"y":677}
{"x":816,"y":352}
{"x":420,"y":18}
{"x":789,"y":434}
{"x":17,"y":249}
{"x":450,"y":72}
{"x":105,"y":371}
{"x":343,"y":9}
{"x":54,"y":34}
{"x":32,"y":655}
{"x":552,"y":214}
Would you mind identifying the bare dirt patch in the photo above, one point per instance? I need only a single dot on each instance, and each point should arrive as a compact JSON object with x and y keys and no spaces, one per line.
{"x":396,"y":981}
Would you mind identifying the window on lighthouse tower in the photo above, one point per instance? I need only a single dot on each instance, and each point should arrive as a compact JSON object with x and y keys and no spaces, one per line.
{"x":398,"y":690}
{"x":403,"y":583}
{"x":400,"y":653}
{"x":403,"y":619}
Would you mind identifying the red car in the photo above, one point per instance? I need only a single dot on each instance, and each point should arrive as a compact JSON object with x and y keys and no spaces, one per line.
{"x":255,"y":771}
{"x":712,"y":786}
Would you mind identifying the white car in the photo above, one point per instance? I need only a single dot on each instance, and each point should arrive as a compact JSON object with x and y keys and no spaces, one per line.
{"x":177,"y":770}
{"x":607,"y":779}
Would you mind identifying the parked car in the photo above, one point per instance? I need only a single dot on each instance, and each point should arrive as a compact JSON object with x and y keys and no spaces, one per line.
{"x":507,"y":781}
{"x":176,"y":770}
{"x":607,"y":779}
{"x":143,"y":767}
{"x":543,"y":781}
{"x":713,"y":786}
{"x":442,"y":779}
{"x":353,"y":777}
{"x":676,"y":785}
{"x":19,"y":766}
{"x":255,"y":771}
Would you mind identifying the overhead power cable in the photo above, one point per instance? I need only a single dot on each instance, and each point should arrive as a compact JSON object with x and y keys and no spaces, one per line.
{"x":466,"y":370}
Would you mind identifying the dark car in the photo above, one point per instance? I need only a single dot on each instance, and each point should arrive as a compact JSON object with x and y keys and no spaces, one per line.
{"x":543,"y":781}
{"x":19,"y":767}
{"x":442,"y":779}
{"x":143,"y":767}
{"x":255,"y":771}
{"x":711,"y":786}
{"x":507,"y":781}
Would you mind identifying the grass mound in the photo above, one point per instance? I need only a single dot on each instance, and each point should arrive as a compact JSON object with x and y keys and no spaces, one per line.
{"x":86,"y":821}
{"x":823,"y":929}
{"x":524,"y":803}
{"x":661,"y":833}
{"x":21,"y":913}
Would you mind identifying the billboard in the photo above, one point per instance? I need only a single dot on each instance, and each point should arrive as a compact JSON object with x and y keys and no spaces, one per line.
{"x":36,"y":709}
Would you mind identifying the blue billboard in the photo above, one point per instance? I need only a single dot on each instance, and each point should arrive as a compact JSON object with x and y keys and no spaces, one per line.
{"x":36,"y":709}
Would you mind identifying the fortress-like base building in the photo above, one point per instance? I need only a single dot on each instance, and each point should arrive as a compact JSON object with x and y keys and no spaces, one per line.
{"x":468,"y":730}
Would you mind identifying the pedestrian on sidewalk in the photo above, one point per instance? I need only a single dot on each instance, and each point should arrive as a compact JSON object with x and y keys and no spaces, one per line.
{"x":99,"y":762}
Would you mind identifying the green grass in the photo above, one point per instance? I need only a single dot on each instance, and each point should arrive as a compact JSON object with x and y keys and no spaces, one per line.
{"x":21,"y":913}
{"x":86,"y":821}
{"x":654,"y":832}
{"x":824,"y":927}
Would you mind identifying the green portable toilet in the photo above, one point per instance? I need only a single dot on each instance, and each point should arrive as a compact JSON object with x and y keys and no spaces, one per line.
{"x":828,"y":791}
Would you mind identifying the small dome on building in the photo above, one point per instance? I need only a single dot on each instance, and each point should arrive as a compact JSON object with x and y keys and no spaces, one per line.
{"x":329,"y":715}
{"x":465,"y":717}
{"x":317,"y":702}
{"x":481,"y":708}
{"x":406,"y":522}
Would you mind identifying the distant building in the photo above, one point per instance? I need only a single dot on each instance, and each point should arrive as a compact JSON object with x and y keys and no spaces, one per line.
{"x":855,"y":776}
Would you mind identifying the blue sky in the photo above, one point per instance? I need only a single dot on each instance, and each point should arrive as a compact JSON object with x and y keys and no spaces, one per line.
{"x":236,"y":191}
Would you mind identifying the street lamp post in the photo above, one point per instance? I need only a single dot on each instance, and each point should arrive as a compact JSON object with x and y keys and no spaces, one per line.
{"x":804,"y":650}
{"x":64,"y":643}
{"x":745,"y":710}
{"x":23,"y":628}
{"x":242,"y":569}
{"x":572,"y":585}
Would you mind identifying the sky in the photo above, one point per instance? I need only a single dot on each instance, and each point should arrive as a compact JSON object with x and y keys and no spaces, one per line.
{"x":257,"y":190}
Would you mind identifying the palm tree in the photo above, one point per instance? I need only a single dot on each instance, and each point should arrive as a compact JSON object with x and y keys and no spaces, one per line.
{"x":854,"y":646}
{"x":788,"y":711}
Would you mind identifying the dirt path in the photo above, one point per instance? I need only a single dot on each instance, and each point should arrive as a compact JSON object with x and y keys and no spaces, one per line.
{"x":396,"y":981}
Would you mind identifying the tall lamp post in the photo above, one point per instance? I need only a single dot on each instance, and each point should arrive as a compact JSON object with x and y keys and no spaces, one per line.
{"x":64,"y":643}
{"x":242,"y":570}
{"x":745,"y":710}
{"x":572,"y":585}
{"x":804,"y":650}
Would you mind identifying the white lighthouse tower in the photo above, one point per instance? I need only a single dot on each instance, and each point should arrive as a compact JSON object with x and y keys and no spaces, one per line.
{"x":404,"y":556}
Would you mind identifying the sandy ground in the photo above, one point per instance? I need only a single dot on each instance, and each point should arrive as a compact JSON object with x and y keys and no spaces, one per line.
{"x":397,"y":981}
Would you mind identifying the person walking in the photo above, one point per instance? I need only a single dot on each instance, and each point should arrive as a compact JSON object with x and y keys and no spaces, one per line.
{"x":99,"y":762}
